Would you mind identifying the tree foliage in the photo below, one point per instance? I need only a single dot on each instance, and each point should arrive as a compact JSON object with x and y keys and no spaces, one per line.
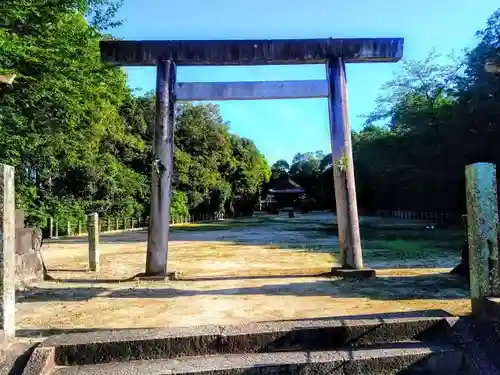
{"x":434,"y":117}
{"x":81,"y":141}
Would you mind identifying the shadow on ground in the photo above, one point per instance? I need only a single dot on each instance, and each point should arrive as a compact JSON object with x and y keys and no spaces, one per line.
{"x":44,"y":332}
{"x":194,"y":279}
{"x":433,"y":286}
{"x":37,"y":294}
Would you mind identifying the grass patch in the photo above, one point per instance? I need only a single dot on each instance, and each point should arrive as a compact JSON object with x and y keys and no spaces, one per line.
{"x":396,"y":244}
{"x":404,"y":249}
{"x":412,"y":244}
{"x":440,"y":235}
{"x":390,"y":250}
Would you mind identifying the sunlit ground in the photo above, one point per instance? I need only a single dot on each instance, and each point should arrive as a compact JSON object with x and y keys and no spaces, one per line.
{"x":227,"y":268}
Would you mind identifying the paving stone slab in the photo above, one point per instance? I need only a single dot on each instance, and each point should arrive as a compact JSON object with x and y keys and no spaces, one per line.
{"x":423,"y":359}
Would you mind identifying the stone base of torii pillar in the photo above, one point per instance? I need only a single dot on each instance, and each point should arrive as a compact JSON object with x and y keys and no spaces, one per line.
{"x":347,"y":272}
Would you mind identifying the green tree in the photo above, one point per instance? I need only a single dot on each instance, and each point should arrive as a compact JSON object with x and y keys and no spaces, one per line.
{"x":279,"y":168}
{"x":63,"y":106}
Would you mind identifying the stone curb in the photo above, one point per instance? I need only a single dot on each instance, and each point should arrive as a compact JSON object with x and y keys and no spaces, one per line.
{"x":327,"y":334}
{"x":41,"y":362}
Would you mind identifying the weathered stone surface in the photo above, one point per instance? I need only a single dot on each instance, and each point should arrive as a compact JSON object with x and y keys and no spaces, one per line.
{"x":463,"y":268}
{"x":216,"y":91}
{"x":325,"y":334}
{"x":162,"y":171}
{"x":19,"y":218}
{"x":482,"y":221}
{"x":170,"y":275}
{"x":258,"y":364}
{"x":37,"y":239}
{"x":251,"y":52}
{"x":413,"y":358}
{"x":29,"y":264}
{"x":7,"y":252}
{"x":365,"y":272}
{"x":124,"y":345}
{"x":41,"y":362}
{"x":93,"y":236}
{"x":369,"y":346}
{"x":343,"y":166}
{"x":479,"y":339}
{"x":28,"y":239}
{"x":50,"y":224}
{"x":488,"y":308}
{"x":16,"y":357}
{"x":24,"y":238}
{"x":29,"y":269}
{"x":421,"y":359}
{"x":393,"y":330}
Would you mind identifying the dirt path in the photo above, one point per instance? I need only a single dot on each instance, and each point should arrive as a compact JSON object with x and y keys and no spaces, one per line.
{"x":249,"y":254}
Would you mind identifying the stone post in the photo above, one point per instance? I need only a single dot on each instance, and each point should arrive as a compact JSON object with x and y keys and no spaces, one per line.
{"x":161,"y":181}
{"x":93,"y":234}
{"x":7,"y":255}
{"x":343,"y":174}
{"x":51,"y":227}
{"x":482,"y":222}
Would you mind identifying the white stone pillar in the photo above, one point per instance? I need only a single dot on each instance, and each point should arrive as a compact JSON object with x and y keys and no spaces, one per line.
{"x":7,"y":254}
{"x":93,"y":236}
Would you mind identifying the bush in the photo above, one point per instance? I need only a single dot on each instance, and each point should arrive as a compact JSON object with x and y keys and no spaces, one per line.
{"x":179,"y":205}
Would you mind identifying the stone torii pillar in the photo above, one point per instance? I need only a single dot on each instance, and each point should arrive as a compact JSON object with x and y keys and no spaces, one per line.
{"x":161,"y":183}
{"x":167,"y":54}
{"x":7,"y":257}
{"x":343,"y":172}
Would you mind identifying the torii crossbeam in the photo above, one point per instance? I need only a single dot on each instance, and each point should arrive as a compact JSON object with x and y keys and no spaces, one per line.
{"x":334,"y":53}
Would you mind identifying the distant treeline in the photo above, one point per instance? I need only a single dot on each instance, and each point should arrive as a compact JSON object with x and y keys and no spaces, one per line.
{"x":433,"y":119}
{"x":80,"y":140}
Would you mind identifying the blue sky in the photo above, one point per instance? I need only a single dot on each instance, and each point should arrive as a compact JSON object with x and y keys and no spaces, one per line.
{"x":281,"y":128}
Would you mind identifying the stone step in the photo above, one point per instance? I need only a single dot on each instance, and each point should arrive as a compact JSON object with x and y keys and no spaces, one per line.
{"x":403,"y":358}
{"x":15,"y":357}
{"x":316,"y":334}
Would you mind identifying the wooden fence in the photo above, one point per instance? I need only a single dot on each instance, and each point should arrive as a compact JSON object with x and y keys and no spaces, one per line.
{"x":57,"y":228}
{"x":440,"y":217}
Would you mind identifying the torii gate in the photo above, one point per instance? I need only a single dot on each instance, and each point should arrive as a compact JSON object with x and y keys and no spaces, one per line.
{"x":334,"y":53}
